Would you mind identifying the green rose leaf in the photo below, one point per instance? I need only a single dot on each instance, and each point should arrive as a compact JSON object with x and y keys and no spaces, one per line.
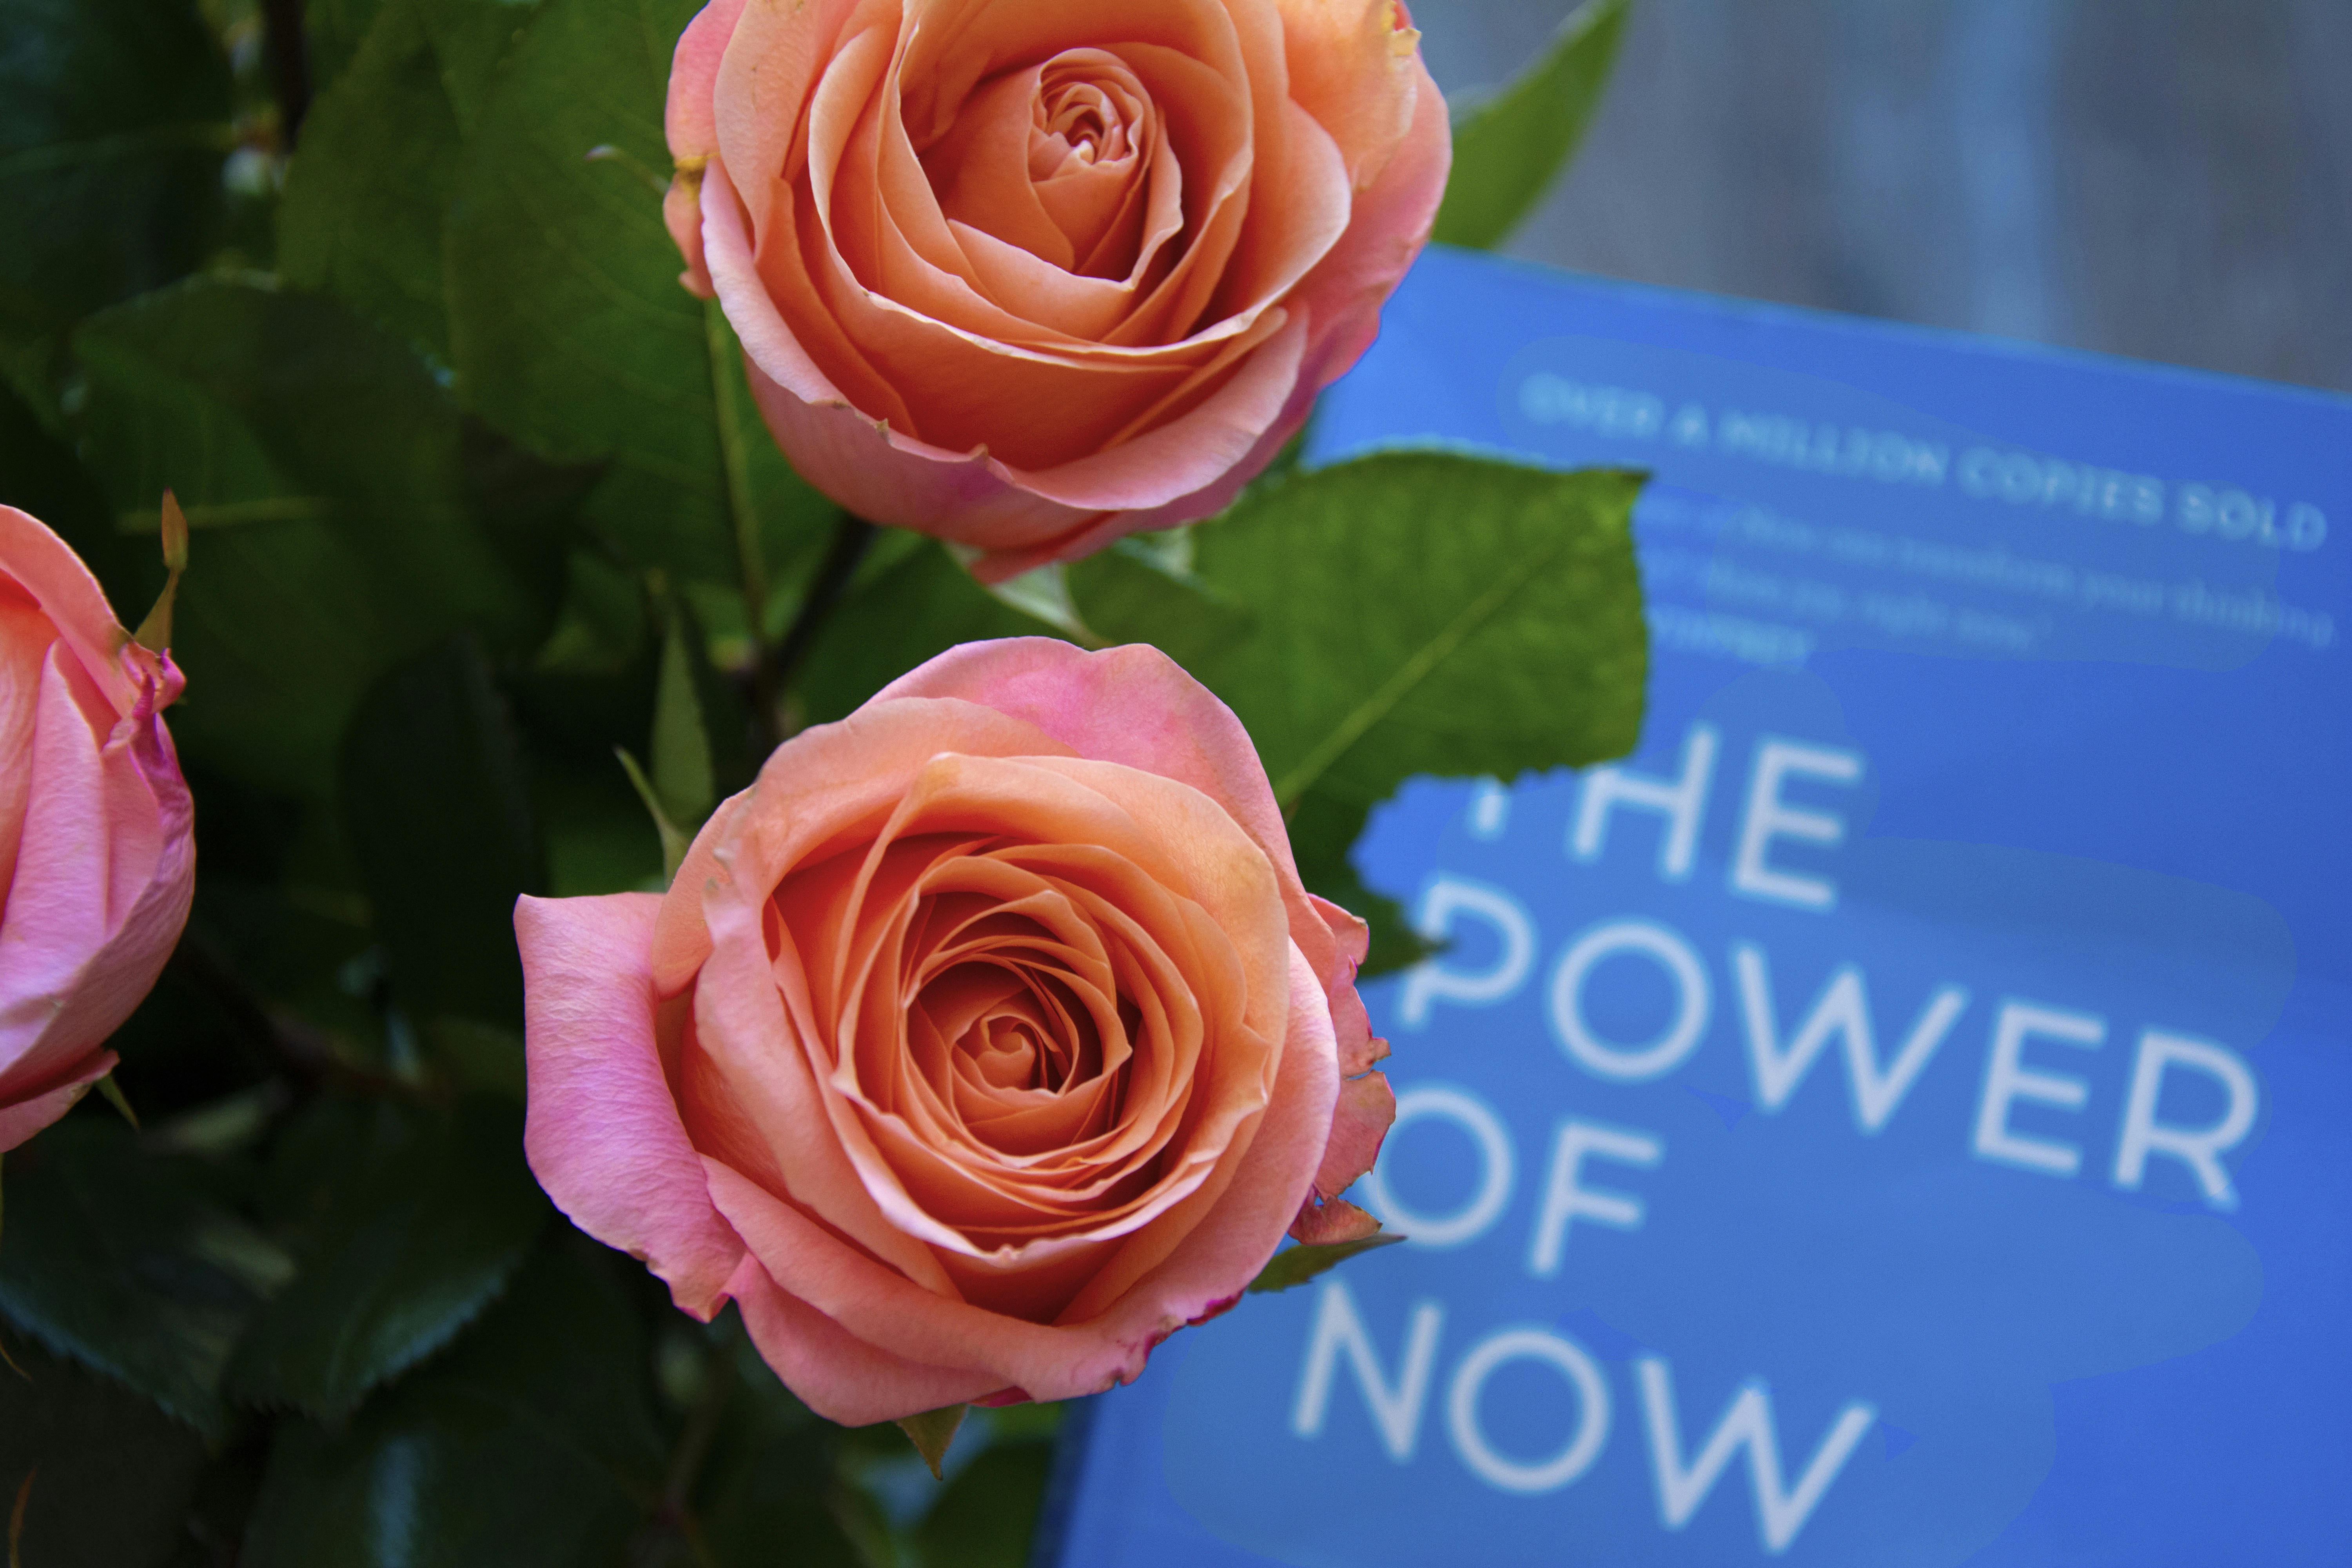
{"x":439,"y":820}
{"x":987,"y":1514}
{"x":39,"y":475}
{"x":1296,"y":1265}
{"x":912,"y":603}
{"x":1412,"y":613}
{"x":335,"y":30}
{"x":531,"y":1440}
{"x":335,"y":497}
{"x":112,"y":1258}
{"x":366,"y":191}
{"x":412,"y":1219}
{"x":770,"y":1473}
{"x":570,"y":332}
{"x":1508,"y":147}
{"x":683,"y":776}
{"x":79,"y":1436}
{"x":114,"y":124}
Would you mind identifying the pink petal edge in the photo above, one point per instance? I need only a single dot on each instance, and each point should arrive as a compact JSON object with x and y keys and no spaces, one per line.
{"x":603,"y":1133}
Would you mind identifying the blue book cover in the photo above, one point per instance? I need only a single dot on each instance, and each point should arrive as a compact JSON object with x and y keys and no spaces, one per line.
{"x":1902,"y":1116}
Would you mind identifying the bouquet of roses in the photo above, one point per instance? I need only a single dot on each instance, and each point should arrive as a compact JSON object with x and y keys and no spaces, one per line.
{"x":758,"y":677}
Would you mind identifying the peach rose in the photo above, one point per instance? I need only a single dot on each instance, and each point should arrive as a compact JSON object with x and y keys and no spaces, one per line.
{"x":985,"y":1041}
{"x":1030,"y":275}
{"x":97,"y":856}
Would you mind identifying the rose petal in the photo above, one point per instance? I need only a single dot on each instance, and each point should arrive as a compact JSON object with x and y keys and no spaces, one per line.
{"x":103,"y":877}
{"x":22,"y":1118}
{"x":602,"y":1134}
{"x":834,"y":1373}
{"x":1352,"y":65}
{"x":1334,"y":1220}
{"x":1359,"y":1122}
{"x":45,"y":567}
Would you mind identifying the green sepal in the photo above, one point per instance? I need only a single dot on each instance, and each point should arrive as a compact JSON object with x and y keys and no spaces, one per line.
{"x":682,"y":771}
{"x":933,"y":1431}
{"x":1297,"y":1265}
{"x":113,"y":1094}
{"x":674,"y":840}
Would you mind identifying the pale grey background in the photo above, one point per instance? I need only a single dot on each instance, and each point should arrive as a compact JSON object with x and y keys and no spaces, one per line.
{"x":2167,"y":179}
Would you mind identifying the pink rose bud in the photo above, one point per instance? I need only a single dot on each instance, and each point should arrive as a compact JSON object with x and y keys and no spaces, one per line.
{"x":984,"y":1042}
{"x":98,"y":855}
{"x":1032,"y":278}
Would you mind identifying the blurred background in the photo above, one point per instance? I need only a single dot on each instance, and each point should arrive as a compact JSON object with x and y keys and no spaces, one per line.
{"x":2166,"y":179}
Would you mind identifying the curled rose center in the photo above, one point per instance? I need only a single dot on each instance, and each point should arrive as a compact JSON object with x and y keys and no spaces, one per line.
{"x":1081,"y":120}
{"x":1066,"y":159}
{"x":1032,"y":1038}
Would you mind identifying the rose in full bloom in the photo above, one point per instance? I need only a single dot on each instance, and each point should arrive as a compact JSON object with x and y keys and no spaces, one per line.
{"x":985,"y":1041}
{"x":98,"y":857}
{"x":1030,"y":275}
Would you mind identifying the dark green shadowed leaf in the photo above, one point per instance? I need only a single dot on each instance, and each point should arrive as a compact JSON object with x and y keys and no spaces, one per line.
{"x":1297,"y":1265}
{"x":1508,"y":148}
{"x":769,"y":1475}
{"x":380,"y":147}
{"x":39,"y":475}
{"x":114,"y":1473}
{"x":110,"y":1259}
{"x":909,"y":607}
{"x":328,"y":482}
{"x":531,"y":1440}
{"x":335,"y":30}
{"x":570,"y":332}
{"x":987,"y":1516}
{"x":1416,"y":612}
{"x":681,"y":741}
{"x":362,"y":214}
{"x":411,"y":1220}
{"x":114,"y":124}
{"x":1324,"y":831}
{"x":438,"y":814}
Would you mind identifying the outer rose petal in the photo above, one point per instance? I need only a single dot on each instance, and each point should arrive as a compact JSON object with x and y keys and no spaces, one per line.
{"x":834,"y":1373}
{"x":26,"y":1117}
{"x":1320,"y":1224}
{"x":1360,"y":1120}
{"x":48,"y":569}
{"x":1351,"y":66}
{"x":693,"y":132}
{"x":602,"y":1134}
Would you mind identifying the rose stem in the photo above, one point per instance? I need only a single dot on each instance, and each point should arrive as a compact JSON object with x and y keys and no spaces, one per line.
{"x":827,"y":591}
